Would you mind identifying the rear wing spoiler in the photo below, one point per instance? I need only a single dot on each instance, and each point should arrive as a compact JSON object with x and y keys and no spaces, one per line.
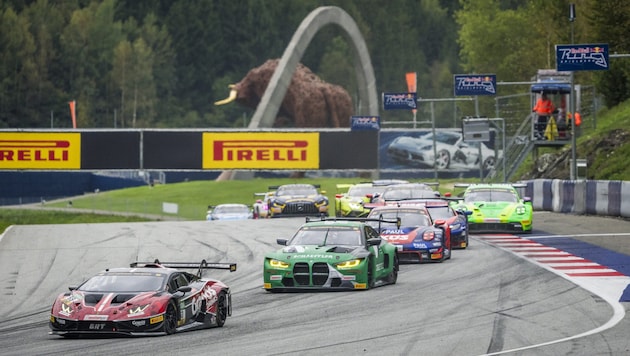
{"x":466,"y":185}
{"x":203,"y":265}
{"x":380,"y":220}
{"x":275,"y":187}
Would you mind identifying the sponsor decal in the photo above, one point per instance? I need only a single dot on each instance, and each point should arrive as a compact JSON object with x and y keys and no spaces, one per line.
{"x":30,"y":150}
{"x":419,"y":245}
{"x":395,"y":237}
{"x":314,"y":256}
{"x":435,"y":256}
{"x":360,"y":286}
{"x":96,"y":317}
{"x":156,"y":319}
{"x":348,"y":278}
{"x":139,"y":323}
{"x":261,"y":150}
{"x":275,"y":277}
{"x":96,"y":327}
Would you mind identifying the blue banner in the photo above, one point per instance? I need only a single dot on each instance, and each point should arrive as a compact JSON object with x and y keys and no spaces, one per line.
{"x":477,"y":84}
{"x":365,"y":123}
{"x":400,"y":101}
{"x":582,"y":57}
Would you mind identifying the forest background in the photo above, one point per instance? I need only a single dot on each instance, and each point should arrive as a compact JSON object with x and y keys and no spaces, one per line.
{"x":163,"y":63}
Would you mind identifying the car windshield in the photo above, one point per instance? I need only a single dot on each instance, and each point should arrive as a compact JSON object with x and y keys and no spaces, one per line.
{"x":409,"y":218}
{"x":494,"y":195}
{"x":231,"y":210}
{"x":326,"y":236}
{"x":440,"y":212}
{"x":124,"y":282}
{"x":292,"y":191}
{"x":408,"y":193}
{"x":361,"y":191}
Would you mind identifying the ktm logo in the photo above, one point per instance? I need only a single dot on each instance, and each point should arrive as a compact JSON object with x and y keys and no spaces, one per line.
{"x":34,"y":150}
{"x":260,"y":150}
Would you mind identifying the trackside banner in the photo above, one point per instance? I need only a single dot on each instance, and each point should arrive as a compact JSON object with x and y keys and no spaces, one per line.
{"x":260,"y":150}
{"x":40,"y":150}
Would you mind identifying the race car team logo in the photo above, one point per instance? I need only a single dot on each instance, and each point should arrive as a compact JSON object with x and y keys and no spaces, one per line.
{"x":261,"y":150}
{"x":40,"y":151}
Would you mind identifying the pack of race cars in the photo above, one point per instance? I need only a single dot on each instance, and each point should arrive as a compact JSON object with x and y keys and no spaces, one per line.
{"x":377,"y":226}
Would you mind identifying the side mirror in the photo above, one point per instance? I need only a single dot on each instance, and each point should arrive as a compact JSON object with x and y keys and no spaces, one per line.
{"x":374,"y":242}
{"x":282,"y":242}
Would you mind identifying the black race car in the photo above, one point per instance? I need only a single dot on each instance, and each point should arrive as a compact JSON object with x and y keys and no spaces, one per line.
{"x":297,"y":200}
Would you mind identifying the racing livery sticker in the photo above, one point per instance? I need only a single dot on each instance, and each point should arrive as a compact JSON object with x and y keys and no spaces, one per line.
{"x":34,"y":150}
{"x":261,"y":150}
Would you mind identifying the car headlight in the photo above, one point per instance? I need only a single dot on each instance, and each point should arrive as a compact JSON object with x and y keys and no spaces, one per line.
{"x":455,"y":226}
{"x":520,"y":209}
{"x":137,"y":310}
{"x":278,"y":264}
{"x":428,"y":235}
{"x":349,"y":264}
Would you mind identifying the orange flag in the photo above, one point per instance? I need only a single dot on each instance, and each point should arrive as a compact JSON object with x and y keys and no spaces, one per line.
{"x":412,"y":82}
{"x":73,"y":113}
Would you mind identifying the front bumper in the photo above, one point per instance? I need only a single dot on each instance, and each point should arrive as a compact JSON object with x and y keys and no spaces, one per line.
{"x":314,"y":276}
{"x":135,"y":327}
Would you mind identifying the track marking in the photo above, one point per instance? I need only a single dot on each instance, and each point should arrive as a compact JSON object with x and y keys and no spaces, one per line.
{"x":602,"y":281}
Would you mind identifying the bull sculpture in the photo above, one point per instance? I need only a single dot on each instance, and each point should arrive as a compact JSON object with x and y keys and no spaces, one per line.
{"x":309,"y":101}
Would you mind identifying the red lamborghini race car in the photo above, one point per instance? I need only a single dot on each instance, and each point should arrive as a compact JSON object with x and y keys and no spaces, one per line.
{"x":147,"y":298}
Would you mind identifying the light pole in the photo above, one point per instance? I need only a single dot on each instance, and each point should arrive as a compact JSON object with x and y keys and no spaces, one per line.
{"x":572,"y":106}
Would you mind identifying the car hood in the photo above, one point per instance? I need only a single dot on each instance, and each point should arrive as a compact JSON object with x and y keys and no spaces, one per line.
{"x":103,"y":306}
{"x":230,"y":217}
{"x":405,"y":234}
{"x":493,"y":208}
{"x":330,"y":253}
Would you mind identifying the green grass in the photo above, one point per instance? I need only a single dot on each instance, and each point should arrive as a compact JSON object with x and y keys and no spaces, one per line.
{"x":145,"y":203}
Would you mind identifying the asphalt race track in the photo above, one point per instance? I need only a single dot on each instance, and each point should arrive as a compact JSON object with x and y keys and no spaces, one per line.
{"x":495,"y":297}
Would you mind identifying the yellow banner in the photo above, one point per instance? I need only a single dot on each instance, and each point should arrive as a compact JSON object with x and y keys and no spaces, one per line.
{"x":261,"y":150}
{"x":34,"y":150}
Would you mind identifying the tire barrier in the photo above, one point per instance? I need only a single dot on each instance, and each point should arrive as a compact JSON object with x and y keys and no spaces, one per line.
{"x":583,"y":197}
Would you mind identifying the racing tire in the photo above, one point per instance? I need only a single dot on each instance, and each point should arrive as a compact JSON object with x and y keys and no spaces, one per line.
{"x":466,"y":240}
{"x":170,"y":319}
{"x":443,"y":159}
{"x":222,"y":309}
{"x":371,"y":282}
{"x":393,"y":276}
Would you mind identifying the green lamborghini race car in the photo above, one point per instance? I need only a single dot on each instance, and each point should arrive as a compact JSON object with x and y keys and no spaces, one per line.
{"x":495,"y":208}
{"x":331,"y":254}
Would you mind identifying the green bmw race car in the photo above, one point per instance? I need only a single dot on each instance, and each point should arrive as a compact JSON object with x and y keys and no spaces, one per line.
{"x":331,"y":254}
{"x":496,"y":208}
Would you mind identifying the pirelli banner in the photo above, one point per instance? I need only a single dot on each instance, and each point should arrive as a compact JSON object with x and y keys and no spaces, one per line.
{"x":188,"y":150}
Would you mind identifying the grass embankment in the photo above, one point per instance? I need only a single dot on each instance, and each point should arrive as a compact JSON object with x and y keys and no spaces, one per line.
{"x":146,"y":203}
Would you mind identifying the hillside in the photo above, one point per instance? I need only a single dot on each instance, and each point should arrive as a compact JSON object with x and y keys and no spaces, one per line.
{"x":603,"y":142}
